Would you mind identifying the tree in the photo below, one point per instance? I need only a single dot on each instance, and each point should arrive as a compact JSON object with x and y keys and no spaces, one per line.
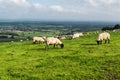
{"x":117,"y":26}
{"x":107,"y":28}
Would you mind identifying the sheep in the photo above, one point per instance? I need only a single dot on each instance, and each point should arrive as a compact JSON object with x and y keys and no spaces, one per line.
{"x":12,"y":41}
{"x":38,"y":39}
{"x":103,"y":36}
{"x":21,"y":40}
{"x":96,"y":32}
{"x":27,"y":39}
{"x":114,"y":30}
{"x":53,"y":41}
{"x":77,"y":35}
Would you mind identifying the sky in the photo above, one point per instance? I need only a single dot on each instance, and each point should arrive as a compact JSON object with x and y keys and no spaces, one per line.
{"x":60,"y":10}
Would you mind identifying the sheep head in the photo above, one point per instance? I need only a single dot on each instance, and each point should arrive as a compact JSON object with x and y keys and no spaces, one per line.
{"x":62,"y":45}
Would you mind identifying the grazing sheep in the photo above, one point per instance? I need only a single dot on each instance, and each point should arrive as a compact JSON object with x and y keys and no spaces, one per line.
{"x":103,"y":36}
{"x":12,"y":41}
{"x":77,"y":35}
{"x":96,"y":32}
{"x":53,"y":41}
{"x":27,"y":39}
{"x":38,"y":39}
{"x":21,"y":40}
{"x":114,"y":30}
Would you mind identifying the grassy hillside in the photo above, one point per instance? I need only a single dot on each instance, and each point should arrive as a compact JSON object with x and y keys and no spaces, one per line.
{"x":80,"y":59}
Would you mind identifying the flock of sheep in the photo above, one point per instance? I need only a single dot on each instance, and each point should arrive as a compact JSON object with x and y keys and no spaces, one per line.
{"x":48,"y":40}
{"x":56,"y":40}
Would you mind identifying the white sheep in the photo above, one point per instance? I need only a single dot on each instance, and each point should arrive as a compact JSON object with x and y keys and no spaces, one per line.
{"x":103,"y":36}
{"x":77,"y":35}
{"x":53,"y":41}
{"x":21,"y":40}
{"x":38,"y":39}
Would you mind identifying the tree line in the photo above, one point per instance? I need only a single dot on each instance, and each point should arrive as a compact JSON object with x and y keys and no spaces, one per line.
{"x":117,"y":26}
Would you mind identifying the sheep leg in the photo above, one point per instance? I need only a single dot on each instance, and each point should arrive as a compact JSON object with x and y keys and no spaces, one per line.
{"x":105,"y":41}
{"x":34,"y":41}
{"x":54,"y":45}
{"x":108,"y":40}
{"x":100,"y":42}
{"x":46,"y":46}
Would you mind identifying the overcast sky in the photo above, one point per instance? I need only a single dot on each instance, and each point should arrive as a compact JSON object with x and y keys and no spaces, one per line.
{"x":61,"y":10}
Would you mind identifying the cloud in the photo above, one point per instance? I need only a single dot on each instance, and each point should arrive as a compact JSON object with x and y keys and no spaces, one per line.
{"x":20,"y":2}
{"x":93,"y":3}
{"x":13,"y":8}
{"x":104,"y":2}
{"x":57,"y":8}
{"x":61,"y":9}
{"x":38,"y":6}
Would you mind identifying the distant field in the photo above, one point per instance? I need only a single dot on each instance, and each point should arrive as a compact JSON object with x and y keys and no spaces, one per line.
{"x":24,"y":35}
{"x":80,"y":59}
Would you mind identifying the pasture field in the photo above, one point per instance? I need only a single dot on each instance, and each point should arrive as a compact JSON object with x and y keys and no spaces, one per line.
{"x":80,"y":59}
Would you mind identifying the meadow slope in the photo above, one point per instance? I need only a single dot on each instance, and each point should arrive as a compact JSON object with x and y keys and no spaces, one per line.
{"x":80,"y":59}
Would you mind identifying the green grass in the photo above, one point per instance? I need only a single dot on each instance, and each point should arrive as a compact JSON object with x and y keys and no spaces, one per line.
{"x":80,"y":59}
